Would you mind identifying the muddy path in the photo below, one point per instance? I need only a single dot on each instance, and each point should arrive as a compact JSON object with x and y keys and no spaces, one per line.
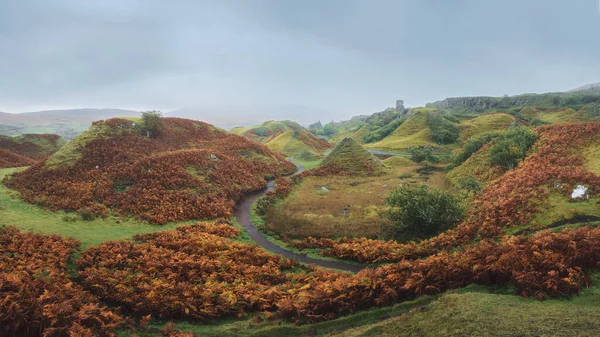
{"x":242,"y":213}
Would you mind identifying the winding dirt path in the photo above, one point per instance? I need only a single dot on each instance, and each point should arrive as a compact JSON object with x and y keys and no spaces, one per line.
{"x":242,"y":213}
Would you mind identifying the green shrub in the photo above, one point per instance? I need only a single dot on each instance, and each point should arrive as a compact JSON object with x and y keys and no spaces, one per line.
{"x":86,"y":214}
{"x":469,"y":184}
{"x":418,"y":212}
{"x":442,"y":130}
{"x":152,"y":123}
{"x":512,"y":147}
{"x":421,"y":154}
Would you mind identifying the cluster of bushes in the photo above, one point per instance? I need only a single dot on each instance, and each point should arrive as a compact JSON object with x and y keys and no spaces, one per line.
{"x":512,"y":147}
{"x":443,"y":131}
{"x":420,"y":154}
{"x":420,"y":212}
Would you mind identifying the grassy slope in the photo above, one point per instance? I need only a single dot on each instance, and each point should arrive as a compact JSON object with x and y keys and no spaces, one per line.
{"x":283,"y":138}
{"x":69,"y":153}
{"x":14,"y":211}
{"x":557,"y":206}
{"x":478,"y":165}
{"x":484,"y":314}
{"x":357,"y":135}
{"x":349,"y":129}
{"x":288,"y":144}
{"x":561,"y":116}
{"x":483,"y":124}
{"x":413,"y":132}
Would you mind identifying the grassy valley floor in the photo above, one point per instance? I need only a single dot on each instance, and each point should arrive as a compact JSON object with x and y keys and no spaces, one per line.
{"x":316,"y":207}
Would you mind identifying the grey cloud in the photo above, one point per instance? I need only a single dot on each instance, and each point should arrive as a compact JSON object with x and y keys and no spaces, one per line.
{"x":343,"y":57}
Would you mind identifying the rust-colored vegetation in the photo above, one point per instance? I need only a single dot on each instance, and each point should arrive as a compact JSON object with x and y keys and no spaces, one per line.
{"x":189,"y":170}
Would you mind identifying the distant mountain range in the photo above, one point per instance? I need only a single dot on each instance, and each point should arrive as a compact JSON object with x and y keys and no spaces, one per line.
{"x":593,"y":88}
{"x":228,"y":117}
{"x":66,"y":123}
{"x":70,"y":123}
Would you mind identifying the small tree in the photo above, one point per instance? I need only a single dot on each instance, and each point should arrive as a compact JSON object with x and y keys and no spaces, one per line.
{"x":152,"y":123}
{"x":418,"y":212}
{"x":421,"y":154}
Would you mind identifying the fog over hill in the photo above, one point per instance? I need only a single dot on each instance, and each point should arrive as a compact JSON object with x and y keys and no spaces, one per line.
{"x":228,"y":117}
{"x":593,"y":88}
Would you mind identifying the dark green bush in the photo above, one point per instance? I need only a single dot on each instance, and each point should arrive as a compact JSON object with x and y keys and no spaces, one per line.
{"x":512,"y":147}
{"x":152,"y":123}
{"x":86,"y":214}
{"x":442,"y":130}
{"x":421,"y":154}
{"x":418,"y":212}
{"x":470,"y":184}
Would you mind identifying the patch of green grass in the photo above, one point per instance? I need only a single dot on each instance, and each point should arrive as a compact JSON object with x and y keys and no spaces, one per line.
{"x":484,"y":314}
{"x":14,"y":211}
{"x":557,"y":206}
{"x":561,"y":116}
{"x":398,"y":161}
{"x":592,"y":158}
{"x":308,"y":164}
{"x":484,"y":123}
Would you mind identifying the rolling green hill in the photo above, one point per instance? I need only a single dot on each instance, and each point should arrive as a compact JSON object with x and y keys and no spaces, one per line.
{"x":288,"y":138}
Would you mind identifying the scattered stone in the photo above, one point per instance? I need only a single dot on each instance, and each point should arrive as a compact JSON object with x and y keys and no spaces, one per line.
{"x":580,"y":192}
{"x":324,"y":189}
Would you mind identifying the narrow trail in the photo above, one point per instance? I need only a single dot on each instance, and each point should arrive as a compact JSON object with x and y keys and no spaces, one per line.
{"x":242,"y":213}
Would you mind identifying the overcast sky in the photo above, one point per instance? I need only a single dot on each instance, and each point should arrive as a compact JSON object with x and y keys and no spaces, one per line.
{"x":342,"y":57}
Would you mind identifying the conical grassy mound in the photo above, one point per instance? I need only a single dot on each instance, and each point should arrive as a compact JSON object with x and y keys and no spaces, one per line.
{"x":350,"y":157}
